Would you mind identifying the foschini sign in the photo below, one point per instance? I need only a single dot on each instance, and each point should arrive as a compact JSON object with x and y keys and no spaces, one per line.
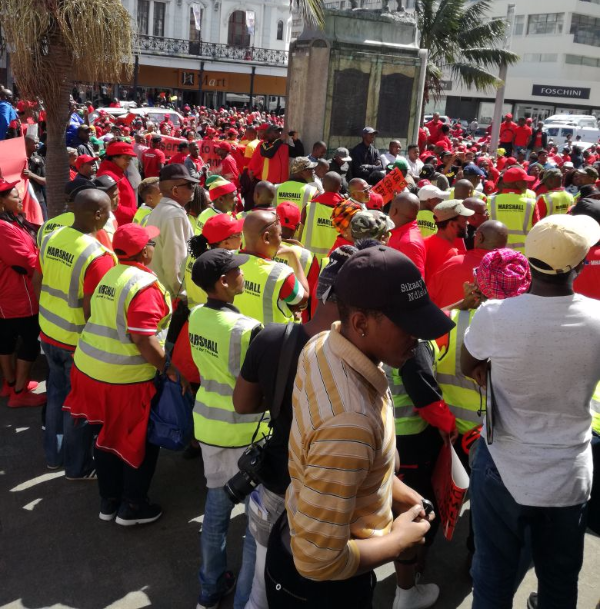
{"x":558,"y":91}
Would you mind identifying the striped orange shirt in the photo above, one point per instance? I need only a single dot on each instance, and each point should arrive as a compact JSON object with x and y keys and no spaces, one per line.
{"x":341,"y":457}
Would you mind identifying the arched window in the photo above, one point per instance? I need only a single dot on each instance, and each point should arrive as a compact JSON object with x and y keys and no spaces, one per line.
{"x":237,"y":35}
{"x":280,"y":30}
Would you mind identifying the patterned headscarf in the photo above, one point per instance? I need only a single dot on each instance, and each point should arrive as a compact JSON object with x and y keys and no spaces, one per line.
{"x":342,"y":214}
{"x":503,"y":274}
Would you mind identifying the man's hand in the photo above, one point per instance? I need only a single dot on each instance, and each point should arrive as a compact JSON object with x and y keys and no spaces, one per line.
{"x":26,"y":173}
{"x":449,"y":438}
{"x":479,"y":374}
{"x":409,"y":528}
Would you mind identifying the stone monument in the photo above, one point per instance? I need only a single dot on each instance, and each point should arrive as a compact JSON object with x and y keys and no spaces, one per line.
{"x":363,"y":68}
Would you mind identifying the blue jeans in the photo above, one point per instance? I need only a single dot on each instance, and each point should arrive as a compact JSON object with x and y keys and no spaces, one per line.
{"x":213,"y":548}
{"x":67,"y":440}
{"x":506,"y":532}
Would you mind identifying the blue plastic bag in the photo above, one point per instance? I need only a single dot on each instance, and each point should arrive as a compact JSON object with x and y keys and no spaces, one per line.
{"x":171,"y":423}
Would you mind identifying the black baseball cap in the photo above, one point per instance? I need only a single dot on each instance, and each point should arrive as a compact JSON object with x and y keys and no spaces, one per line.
{"x":77,"y":185}
{"x":214,"y":263}
{"x":104,"y":182}
{"x":382,"y":279}
{"x":176,"y":171}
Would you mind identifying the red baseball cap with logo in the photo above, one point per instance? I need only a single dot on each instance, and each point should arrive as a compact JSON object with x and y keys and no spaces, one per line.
{"x":221,"y":227}
{"x":130,"y":239}
{"x":516,"y":174}
{"x":120,"y":148}
{"x":6,"y":186}
{"x":289,"y":214}
{"x":82,"y":159}
{"x":223,"y":146}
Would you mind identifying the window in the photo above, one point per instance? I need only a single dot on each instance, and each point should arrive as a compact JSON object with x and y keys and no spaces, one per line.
{"x":519,"y":25}
{"x":585,"y":30}
{"x":238,"y":35}
{"x":580,"y":60}
{"x":143,"y":15}
{"x":159,"y":19}
{"x":540,"y":57}
{"x":280,"y":30}
{"x":546,"y":24}
{"x":195,"y":23}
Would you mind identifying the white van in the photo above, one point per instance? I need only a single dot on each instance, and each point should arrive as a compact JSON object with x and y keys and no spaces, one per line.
{"x":579,"y":120}
{"x":559,"y":132}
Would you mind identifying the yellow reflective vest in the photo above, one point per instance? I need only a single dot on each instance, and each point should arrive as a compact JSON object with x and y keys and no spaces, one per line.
{"x":51,"y":225}
{"x":141,"y":215}
{"x":558,"y":201}
{"x":209,"y":212}
{"x":515,"y":211}
{"x":461,"y":393}
{"x":299,"y":193}
{"x":263,"y":280}
{"x":305,"y":257}
{"x":65,"y":255}
{"x":407,"y":419}
{"x":195,"y":294}
{"x":596,"y":410}
{"x":219,"y":340}
{"x":426,"y":223}
{"x":319,"y":233}
{"x":105,"y":351}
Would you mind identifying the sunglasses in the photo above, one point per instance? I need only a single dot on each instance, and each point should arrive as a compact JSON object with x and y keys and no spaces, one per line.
{"x":185,"y":185}
{"x":151,"y":243}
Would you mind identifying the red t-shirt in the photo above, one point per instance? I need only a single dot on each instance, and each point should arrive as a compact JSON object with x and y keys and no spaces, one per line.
{"x":522,"y":135}
{"x":588,"y":281}
{"x":229,"y":169}
{"x":407,"y":239}
{"x":178,"y":158}
{"x":338,"y":243}
{"x":507,"y":132}
{"x":435,"y":130}
{"x":152,"y":160}
{"x":331,"y":199}
{"x":446,"y":286}
{"x":438,"y":252}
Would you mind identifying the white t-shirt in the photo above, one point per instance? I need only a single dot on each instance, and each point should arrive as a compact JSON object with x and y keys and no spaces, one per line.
{"x":545,"y":357}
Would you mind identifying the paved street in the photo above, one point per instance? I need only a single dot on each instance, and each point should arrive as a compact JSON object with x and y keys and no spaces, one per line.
{"x":56,"y":553}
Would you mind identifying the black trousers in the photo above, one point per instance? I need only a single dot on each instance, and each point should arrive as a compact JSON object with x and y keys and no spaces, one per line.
{"x":118,"y":480}
{"x":287,"y":589}
{"x":418,"y":456}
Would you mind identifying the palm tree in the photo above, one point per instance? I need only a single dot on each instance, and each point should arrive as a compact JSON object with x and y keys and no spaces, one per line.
{"x":312,"y":11}
{"x":463,"y":40}
{"x":54,"y":42}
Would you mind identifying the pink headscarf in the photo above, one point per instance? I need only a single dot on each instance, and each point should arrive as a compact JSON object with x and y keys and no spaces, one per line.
{"x":503,"y":274}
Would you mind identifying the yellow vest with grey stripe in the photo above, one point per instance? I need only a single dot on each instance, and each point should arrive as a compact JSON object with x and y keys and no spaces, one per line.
{"x":305,"y":257}
{"x":407,"y":419}
{"x":558,"y":201}
{"x":596,"y":410}
{"x":299,"y":193}
{"x":105,"y":350}
{"x":65,"y":255}
{"x":219,"y":340}
{"x":516,"y":213}
{"x":141,"y":215}
{"x":195,"y":294}
{"x":263,"y":280}
{"x":461,"y":394}
{"x":426,"y":223}
{"x":51,"y":225}
{"x":319,"y":233}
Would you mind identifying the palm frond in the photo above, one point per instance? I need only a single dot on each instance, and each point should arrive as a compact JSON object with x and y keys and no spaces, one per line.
{"x":484,"y":33}
{"x":471,"y":75}
{"x":490,"y":58}
{"x":312,"y":11}
{"x":477,"y":12}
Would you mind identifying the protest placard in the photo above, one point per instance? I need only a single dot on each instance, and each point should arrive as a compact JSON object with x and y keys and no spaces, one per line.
{"x":392,"y":184}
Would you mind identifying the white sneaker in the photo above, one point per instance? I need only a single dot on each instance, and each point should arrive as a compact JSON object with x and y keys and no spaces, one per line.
{"x":420,"y":596}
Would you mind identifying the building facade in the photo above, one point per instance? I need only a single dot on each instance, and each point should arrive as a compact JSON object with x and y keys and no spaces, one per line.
{"x":211,"y":52}
{"x":558,"y":42}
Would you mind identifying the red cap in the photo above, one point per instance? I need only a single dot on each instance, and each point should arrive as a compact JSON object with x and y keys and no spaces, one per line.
{"x":220,"y":227}
{"x":6,"y":186}
{"x":118,"y":148}
{"x":511,"y":161}
{"x":529,"y":121}
{"x":130,"y":239}
{"x":85,"y":158}
{"x":21,"y":106}
{"x":232,"y":132}
{"x":489,"y":187}
{"x":422,"y":183}
{"x":263,"y":127}
{"x":223,"y":146}
{"x":462,"y":149}
{"x":516,"y":174}
{"x":289,"y":214}
{"x":508,"y":116}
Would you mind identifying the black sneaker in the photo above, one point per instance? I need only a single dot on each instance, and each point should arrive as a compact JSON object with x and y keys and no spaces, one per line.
{"x":145,"y":513}
{"x":108,"y":509}
{"x":532,"y":601}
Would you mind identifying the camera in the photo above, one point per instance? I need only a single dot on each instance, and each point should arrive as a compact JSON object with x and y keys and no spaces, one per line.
{"x":251,"y":464}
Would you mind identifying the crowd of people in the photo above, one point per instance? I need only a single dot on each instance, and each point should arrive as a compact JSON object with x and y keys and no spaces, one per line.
{"x":336,"y":341}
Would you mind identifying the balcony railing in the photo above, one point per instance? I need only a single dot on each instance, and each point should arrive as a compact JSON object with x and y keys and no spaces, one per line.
{"x":157,"y":45}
